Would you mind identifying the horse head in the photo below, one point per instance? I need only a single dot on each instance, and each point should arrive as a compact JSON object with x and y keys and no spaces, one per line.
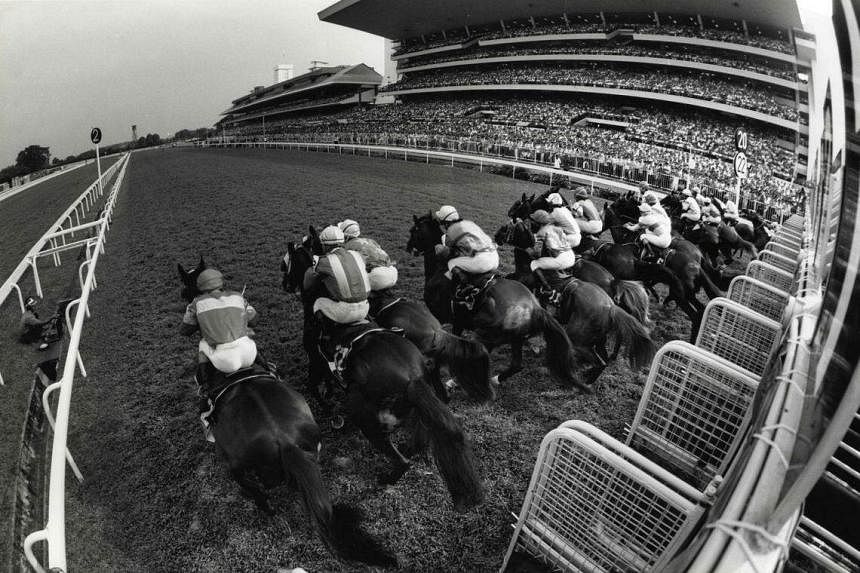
{"x":296,"y":262}
{"x":189,"y":279}
{"x":522,"y":207}
{"x":424,"y":235}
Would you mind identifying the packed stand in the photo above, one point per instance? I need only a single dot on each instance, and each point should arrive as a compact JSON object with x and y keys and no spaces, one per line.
{"x":659,"y":142}
{"x":697,"y":54}
{"x":746,"y":94}
{"x":731,"y":32}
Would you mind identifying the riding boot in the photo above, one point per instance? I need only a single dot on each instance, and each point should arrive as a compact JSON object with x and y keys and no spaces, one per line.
{"x":551,"y":294}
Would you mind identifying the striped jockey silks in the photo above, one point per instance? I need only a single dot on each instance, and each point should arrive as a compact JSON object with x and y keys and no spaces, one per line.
{"x":221,"y":318}
{"x":344,"y":275}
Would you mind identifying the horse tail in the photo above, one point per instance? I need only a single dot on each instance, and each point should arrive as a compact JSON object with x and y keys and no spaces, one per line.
{"x":640,"y":347}
{"x":711,"y":289}
{"x":747,"y":247}
{"x":338,"y":526}
{"x":468,"y":361}
{"x":453,"y":454}
{"x":632,"y":297}
{"x":560,"y":358}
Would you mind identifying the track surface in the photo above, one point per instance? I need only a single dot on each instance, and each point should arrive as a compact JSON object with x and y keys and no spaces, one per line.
{"x":155,"y":496}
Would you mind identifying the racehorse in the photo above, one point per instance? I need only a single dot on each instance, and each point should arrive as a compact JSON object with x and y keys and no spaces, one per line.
{"x":387,"y":382}
{"x":265,"y":432}
{"x":755,"y":232}
{"x":629,"y":295}
{"x":467,"y":361}
{"x":506,"y":312}
{"x":588,"y":312}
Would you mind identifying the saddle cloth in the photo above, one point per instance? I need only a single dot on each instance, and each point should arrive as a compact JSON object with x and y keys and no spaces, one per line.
{"x":335,"y":346}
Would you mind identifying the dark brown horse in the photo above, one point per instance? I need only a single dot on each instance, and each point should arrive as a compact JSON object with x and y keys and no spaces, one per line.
{"x":387,"y":383}
{"x":267,"y":435}
{"x":588,"y":313}
{"x":506,"y":313}
{"x":467,"y":361}
{"x":629,"y":295}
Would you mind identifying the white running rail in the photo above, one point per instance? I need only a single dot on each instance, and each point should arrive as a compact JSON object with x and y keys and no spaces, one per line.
{"x":54,"y":531}
{"x":66,"y":225}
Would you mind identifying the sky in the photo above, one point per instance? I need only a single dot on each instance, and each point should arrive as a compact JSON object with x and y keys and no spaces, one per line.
{"x":69,"y":65}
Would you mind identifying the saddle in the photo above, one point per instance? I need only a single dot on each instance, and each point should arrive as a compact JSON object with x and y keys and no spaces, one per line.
{"x":335,"y":346}
{"x":471,"y":287}
{"x":217,"y":383}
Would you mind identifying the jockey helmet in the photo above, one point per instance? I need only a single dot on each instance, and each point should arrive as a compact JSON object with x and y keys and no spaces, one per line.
{"x":697,"y":189}
{"x":644,"y":208}
{"x":209,"y":279}
{"x":350,"y":228}
{"x":581,"y":194}
{"x":730,"y":206}
{"x":331,"y":235}
{"x":687,"y":193}
{"x":555,"y":199}
{"x":706,"y":200}
{"x":650,"y":198}
{"x":540,"y":216}
{"x":447,"y":214}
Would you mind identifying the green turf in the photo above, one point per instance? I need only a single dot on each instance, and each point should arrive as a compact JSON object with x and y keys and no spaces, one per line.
{"x":155,"y":496}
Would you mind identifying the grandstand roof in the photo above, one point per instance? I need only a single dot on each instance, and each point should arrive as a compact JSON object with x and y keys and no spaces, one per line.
{"x":409,"y":18}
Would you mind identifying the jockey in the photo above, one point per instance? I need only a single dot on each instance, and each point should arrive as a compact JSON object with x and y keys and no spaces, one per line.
{"x":343,"y":275}
{"x":710,"y":213}
{"x":730,"y":215}
{"x":561,"y":217}
{"x":698,"y":196}
{"x":586,"y":215}
{"x":380,"y":270}
{"x":551,"y":251}
{"x":658,"y":230}
{"x":473,"y":251}
{"x":690,"y":210}
{"x":223,"y":318}
{"x":651,"y":199}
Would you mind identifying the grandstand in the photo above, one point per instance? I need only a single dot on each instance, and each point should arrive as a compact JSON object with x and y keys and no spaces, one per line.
{"x":605,"y":90}
{"x":322,"y":88}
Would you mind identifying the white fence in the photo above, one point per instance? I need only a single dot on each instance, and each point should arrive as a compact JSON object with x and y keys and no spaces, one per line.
{"x":61,"y":236}
{"x":54,"y":532}
{"x":392,"y":152}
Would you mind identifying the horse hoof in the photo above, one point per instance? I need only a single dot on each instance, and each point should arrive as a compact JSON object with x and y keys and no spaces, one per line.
{"x":450,"y":384}
{"x":536,"y":350}
{"x":495,"y":380}
{"x":337,"y":422}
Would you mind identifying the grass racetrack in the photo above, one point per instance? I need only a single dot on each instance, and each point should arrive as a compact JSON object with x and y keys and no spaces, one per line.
{"x":155,"y":496}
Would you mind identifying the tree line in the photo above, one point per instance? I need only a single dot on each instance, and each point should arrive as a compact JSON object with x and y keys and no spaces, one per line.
{"x":35,"y":158}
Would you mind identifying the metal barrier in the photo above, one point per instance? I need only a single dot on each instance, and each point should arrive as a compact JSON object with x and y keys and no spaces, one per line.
{"x":738,"y":334}
{"x":759,"y":297}
{"x":594,"y":504}
{"x":692,"y":413}
{"x":782,"y":250}
{"x":56,"y":237}
{"x":779,"y":261}
{"x":55,"y":528}
{"x":772,"y":276}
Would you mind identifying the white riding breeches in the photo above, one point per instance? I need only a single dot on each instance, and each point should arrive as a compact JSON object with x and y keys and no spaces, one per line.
{"x":478,"y":264}
{"x":342,"y":312}
{"x":564,"y":260}
{"x":573,"y":240}
{"x":691,"y":217}
{"x":662,"y":241}
{"x":590,"y":227}
{"x":382,"y":277}
{"x":230,"y":356}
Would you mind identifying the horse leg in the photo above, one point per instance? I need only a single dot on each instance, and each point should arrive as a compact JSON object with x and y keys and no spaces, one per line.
{"x":377,"y":428}
{"x":420,"y":438}
{"x":516,"y":361}
{"x":252,"y":489}
{"x":436,"y":383}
